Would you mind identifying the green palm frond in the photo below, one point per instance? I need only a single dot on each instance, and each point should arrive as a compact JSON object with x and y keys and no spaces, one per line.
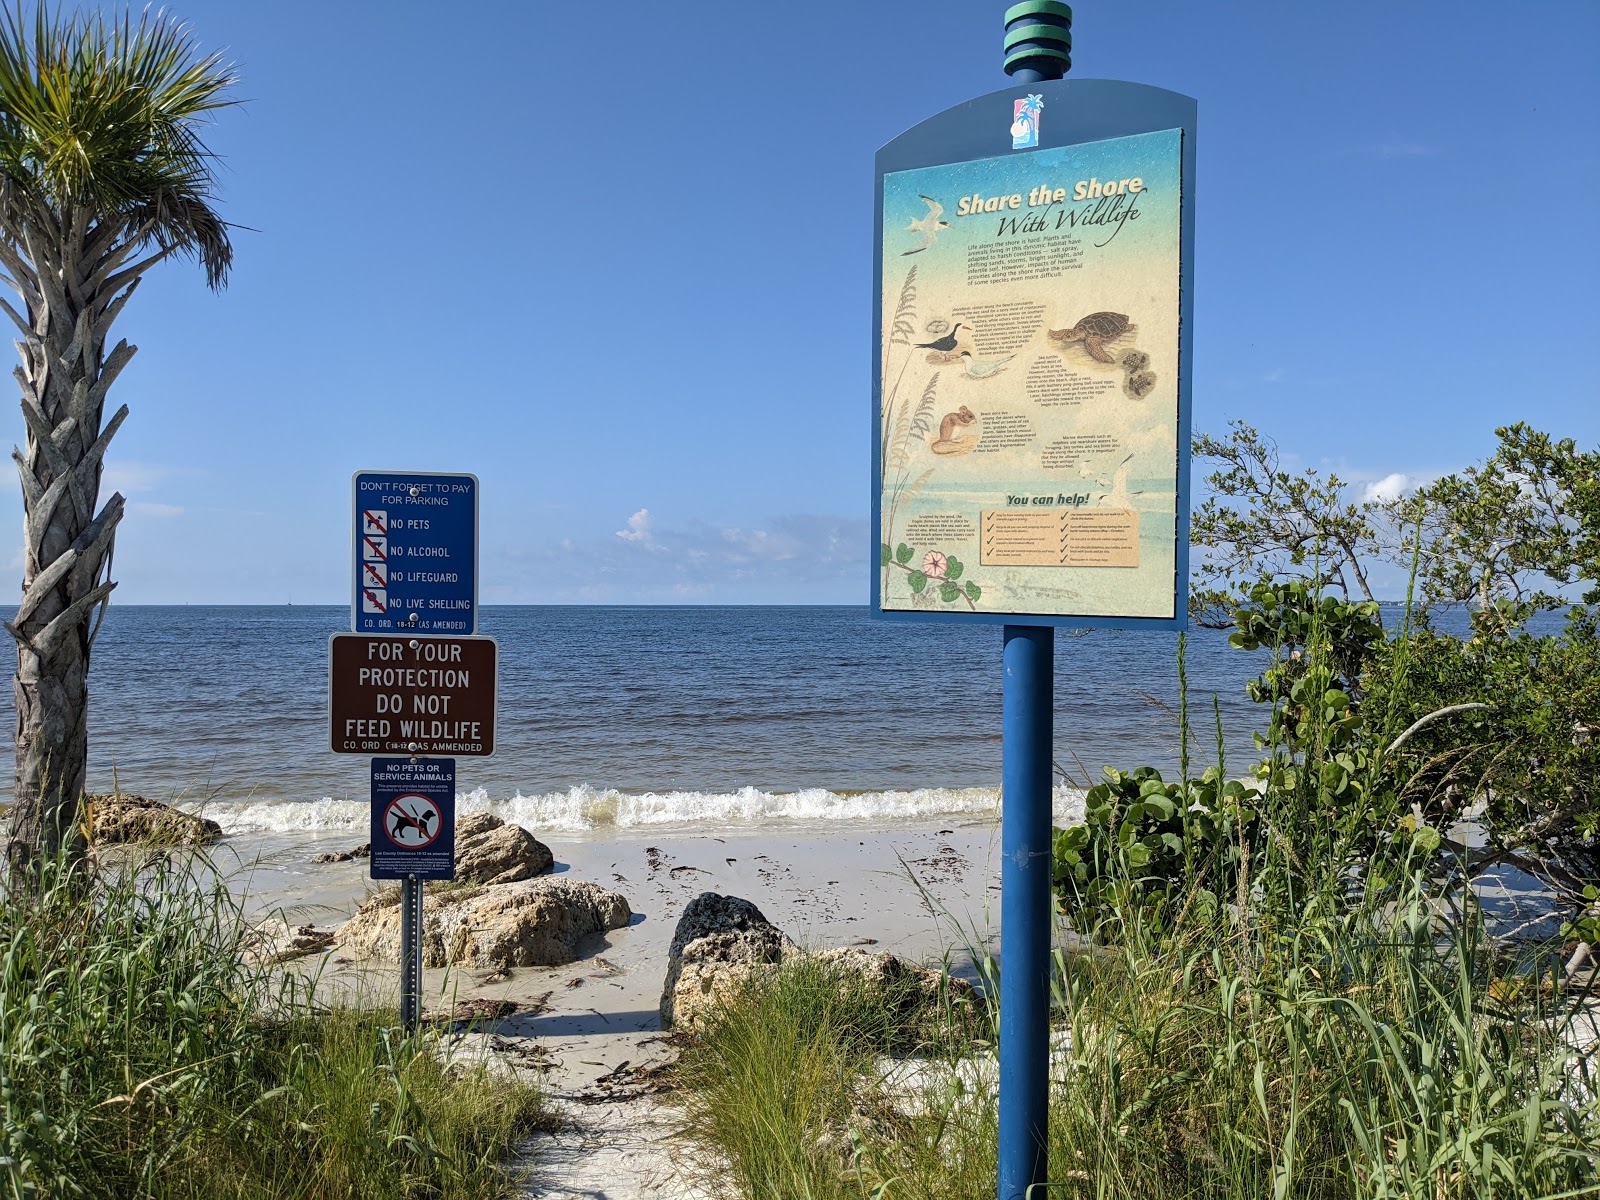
{"x":100,"y":116}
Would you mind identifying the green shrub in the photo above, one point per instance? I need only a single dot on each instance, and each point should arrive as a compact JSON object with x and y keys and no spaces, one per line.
{"x":1531,"y":748}
{"x":1152,"y":846}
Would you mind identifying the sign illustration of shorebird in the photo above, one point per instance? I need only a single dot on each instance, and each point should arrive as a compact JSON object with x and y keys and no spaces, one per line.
{"x":1094,"y":331}
{"x":1119,"y":496}
{"x":928,"y":226}
{"x":984,"y":370}
{"x":943,"y":345}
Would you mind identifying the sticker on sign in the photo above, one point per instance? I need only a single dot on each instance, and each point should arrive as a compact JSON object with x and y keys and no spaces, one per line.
{"x":412,"y":695}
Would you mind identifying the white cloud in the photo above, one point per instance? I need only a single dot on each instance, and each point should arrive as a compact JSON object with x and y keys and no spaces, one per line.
{"x":638,"y":529}
{"x":1391,"y":487}
{"x":792,"y":558}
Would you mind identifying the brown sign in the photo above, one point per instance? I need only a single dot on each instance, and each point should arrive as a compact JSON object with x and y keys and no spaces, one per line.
{"x":412,"y":695}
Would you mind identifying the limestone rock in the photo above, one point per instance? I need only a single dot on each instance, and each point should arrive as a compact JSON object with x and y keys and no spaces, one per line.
{"x":120,"y":817}
{"x":332,"y":856}
{"x":275,"y":941}
{"x":490,"y":851}
{"x":720,"y":942}
{"x":701,"y":988}
{"x":923,"y":1001}
{"x":529,"y":923}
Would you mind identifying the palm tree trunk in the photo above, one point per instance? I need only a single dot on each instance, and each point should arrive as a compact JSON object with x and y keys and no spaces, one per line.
{"x":52,"y":755}
{"x":64,"y":376}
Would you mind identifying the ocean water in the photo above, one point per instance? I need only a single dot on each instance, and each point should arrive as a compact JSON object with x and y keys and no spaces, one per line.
{"x":617,"y":718}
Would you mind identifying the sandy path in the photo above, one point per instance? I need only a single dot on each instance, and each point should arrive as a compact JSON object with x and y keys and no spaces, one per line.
{"x":591,"y":1029}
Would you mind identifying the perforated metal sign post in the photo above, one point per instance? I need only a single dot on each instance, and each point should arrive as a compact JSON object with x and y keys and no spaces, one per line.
{"x":413,"y":839}
{"x":410,"y":679}
{"x":1033,"y":316}
{"x":416,"y":553}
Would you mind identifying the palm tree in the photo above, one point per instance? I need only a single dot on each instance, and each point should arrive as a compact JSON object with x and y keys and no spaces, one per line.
{"x":102,"y":175}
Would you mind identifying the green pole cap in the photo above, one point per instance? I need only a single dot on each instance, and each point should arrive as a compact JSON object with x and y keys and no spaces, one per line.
{"x":1040,"y":8}
{"x":1049,"y":36}
{"x":1038,"y":42}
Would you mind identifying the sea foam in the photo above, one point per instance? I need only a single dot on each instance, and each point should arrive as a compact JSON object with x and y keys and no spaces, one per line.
{"x":585,"y":808}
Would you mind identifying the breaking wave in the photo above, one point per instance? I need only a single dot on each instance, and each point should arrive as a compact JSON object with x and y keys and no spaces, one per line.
{"x":588,"y":808}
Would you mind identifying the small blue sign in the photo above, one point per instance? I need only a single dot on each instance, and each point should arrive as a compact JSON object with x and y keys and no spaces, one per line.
{"x":416,"y":553}
{"x":413,"y":818}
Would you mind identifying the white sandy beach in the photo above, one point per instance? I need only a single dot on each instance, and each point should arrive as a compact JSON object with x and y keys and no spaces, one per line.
{"x":591,"y":1029}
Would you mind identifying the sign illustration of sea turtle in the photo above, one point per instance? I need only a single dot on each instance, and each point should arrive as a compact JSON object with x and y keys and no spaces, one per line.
{"x":1094,"y":331}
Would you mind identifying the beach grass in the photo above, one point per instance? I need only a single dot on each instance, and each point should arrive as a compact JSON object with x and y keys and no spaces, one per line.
{"x":1353,"y":1053}
{"x":147,"y":1050}
{"x":773,"y":1080}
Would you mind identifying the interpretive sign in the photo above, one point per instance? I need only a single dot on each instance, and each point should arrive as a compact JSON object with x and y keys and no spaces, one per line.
{"x":416,"y":553}
{"x":412,"y":695}
{"x":1031,"y":391}
{"x":413,"y":818}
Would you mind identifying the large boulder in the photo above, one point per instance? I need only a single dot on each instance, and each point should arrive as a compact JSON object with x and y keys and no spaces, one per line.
{"x":720,"y":941}
{"x":490,"y":851}
{"x":116,"y":818}
{"x":530,"y":923}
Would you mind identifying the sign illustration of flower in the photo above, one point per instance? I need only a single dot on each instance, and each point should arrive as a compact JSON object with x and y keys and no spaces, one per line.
{"x":938,"y":571}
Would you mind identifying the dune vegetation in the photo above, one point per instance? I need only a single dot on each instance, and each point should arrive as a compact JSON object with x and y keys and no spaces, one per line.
{"x":1276,"y":979}
{"x":149,"y":1049}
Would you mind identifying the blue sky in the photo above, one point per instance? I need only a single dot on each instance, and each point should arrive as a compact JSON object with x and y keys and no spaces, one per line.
{"x":597,"y":256}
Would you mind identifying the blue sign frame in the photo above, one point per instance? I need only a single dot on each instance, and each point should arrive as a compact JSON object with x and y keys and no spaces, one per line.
{"x":1075,"y":111}
{"x":416,"y":553}
{"x":413,"y":829}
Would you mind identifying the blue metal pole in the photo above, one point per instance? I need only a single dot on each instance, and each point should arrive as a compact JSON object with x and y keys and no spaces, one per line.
{"x":1025,"y":907}
{"x":1038,"y":47}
